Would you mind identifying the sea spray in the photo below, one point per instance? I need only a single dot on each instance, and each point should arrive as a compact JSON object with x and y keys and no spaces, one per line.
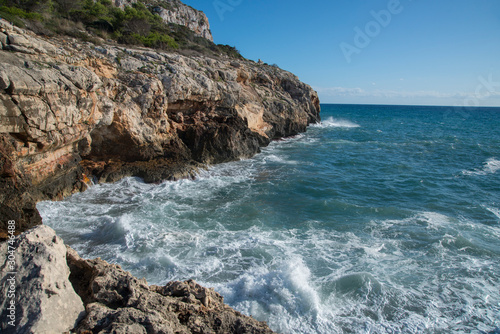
{"x":380,"y":219}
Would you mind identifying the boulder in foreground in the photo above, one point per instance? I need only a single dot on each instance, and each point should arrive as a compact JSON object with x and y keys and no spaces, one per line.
{"x":45,"y":301}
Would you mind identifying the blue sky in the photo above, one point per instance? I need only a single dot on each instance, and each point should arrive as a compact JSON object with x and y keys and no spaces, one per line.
{"x":428,"y":52}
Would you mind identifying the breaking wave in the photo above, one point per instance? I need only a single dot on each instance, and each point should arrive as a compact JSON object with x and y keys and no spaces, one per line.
{"x":331,"y":122}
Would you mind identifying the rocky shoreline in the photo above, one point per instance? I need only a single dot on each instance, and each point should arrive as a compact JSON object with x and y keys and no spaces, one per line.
{"x":73,"y":112}
{"x":56,"y":291}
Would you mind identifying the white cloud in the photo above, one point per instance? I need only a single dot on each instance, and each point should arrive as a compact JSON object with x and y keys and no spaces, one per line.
{"x":356,"y":95}
{"x":340,"y":91}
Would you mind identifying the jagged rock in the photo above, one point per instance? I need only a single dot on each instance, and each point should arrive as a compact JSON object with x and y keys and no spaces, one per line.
{"x":45,"y":301}
{"x":178,"y":13}
{"x":11,"y":119}
{"x":22,"y":42}
{"x":117,"y":302}
{"x":53,"y":283}
{"x":4,"y":79}
{"x":20,"y":81}
{"x":18,"y":48}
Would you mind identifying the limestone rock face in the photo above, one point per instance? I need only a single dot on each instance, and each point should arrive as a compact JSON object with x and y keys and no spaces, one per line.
{"x":174,"y":11}
{"x":45,"y":301}
{"x":117,"y":302}
{"x":17,"y":195}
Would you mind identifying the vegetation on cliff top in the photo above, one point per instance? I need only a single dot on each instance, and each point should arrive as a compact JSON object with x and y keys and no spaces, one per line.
{"x":138,"y":24}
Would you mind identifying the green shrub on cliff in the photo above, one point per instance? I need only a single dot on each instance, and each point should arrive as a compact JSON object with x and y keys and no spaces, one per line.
{"x":137,"y":24}
{"x":90,"y":12}
{"x":15,"y":15}
{"x":156,"y":40}
{"x":36,"y":6}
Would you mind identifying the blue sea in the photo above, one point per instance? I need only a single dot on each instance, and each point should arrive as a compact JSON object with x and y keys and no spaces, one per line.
{"x":380,"y":219}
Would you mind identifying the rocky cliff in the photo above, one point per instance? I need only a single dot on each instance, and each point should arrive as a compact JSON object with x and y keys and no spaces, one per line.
{"x":72,"y":111}
{"x":174,"y":11}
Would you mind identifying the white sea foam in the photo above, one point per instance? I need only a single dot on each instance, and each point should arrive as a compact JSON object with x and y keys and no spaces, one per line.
{"x":331,"y":122}
{"x":429,"y":220}
{"x":493,"y":210}
{"x":279,"y":159}
{"x":285,"y":296}
{"x":434,"y":220}
{"x":490,"y":166}
{"x":418,"y":272}
{"x":274,"y":274}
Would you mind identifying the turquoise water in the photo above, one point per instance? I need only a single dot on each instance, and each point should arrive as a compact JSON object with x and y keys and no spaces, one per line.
{"x":381,"y":219}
